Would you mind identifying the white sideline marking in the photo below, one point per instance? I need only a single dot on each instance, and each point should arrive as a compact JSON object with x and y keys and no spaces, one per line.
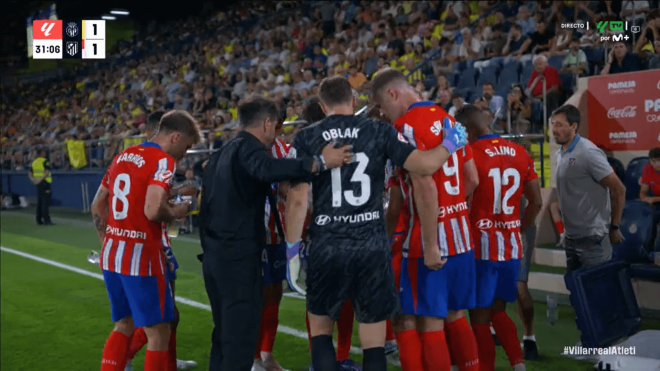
{"x":283,"y":329}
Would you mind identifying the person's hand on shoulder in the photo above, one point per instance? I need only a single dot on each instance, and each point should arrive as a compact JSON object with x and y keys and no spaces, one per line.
{"x":335,"y":157}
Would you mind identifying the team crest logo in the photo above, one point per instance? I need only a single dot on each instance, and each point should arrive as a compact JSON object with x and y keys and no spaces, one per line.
{"x":71,"y":48}
{"x":571,"y":161}
{"x":72,"y":29}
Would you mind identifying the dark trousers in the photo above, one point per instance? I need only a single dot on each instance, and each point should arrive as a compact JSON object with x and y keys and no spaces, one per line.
{"x":43,"y":202}
{"x":234,"y":287}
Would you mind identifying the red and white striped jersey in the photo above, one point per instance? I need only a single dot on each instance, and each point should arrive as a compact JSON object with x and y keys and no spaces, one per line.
{"x":422,"y":126}
{"x":504,"y":168}
{"x":278,"y":150}
{"x":133,"y":244}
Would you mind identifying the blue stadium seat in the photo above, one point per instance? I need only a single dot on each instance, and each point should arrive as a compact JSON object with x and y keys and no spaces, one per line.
{"x":526,"y":73}
{"x":645,"y":272}
{"x":507,"y":78}
{"x":605,"y":306}
{"x":556,"y":61}
{"x":511,"y":66}
{"x":467,"y":79}
{"x":567,"y":82}
{"x":633,"y":173}
{"x":636,"y":228}
{"x":537,"y":112}
{"x":452,"y":78}
{"x":429,"y":82}
{"x":595,"y":55}
{"x":489,"y":74}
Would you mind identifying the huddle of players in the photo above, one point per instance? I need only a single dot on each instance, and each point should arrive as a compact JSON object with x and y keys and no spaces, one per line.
{"x":439,"y":276}
{"x":437,"y":271}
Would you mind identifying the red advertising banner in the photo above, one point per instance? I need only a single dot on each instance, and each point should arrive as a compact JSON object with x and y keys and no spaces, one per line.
{"x":624,"y":111}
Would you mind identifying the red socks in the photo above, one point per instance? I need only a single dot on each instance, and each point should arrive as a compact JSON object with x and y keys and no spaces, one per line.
{"x":390,"y":332}
{"x":138,"y":342}
{"x":268,"y":330}
{"x":345,"y":331}
{"x":156,"y":360}
{"x":172,"y":351}
{"x":410,"y":350}
{"x":506,"y":331}
{"x":435,"y":354}
{"x":486,"y":346}
{"x":559,"y":226}
{"x":462,"y":345}
{"x":114,"y":352}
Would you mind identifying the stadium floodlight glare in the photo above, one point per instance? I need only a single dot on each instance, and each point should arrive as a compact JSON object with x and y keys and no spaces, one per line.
{"x":108,"y":17}
{"x":119,"y":12}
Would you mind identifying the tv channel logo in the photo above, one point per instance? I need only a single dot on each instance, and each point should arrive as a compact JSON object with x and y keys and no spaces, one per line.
{"x":614,"y":26}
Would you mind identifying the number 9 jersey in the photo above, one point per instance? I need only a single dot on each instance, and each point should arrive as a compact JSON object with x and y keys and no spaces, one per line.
{"x":422,"y":126}
{"x":133,"y":244}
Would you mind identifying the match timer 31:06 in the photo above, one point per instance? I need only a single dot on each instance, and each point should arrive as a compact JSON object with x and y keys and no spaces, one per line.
{"x":68,"y":39}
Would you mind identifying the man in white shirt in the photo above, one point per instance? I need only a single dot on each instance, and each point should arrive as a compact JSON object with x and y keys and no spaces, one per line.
{"x":470,"y":48}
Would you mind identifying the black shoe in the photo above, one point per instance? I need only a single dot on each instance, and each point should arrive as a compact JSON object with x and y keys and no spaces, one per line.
{"x":530,"y":351}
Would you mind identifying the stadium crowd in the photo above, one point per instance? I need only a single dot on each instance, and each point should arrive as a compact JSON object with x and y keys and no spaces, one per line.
{"x":484,"y":52}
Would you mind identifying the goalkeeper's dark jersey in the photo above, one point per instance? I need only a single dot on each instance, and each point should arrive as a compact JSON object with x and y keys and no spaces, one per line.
{"x":348,"y":201}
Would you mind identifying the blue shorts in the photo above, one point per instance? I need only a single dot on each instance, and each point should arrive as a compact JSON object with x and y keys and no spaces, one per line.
{"x":496,"y":280}
{"x":148,"y":299}
{"x":273,"y":263}
{"x":434,"y":293}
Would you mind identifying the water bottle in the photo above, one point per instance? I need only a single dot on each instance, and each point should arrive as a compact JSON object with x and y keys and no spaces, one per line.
{"x":173,"y":228}
{"x":94,"y":257}
{"x":551,"y":314}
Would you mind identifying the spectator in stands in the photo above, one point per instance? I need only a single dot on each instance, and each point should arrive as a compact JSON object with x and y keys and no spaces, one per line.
{"x":444,"y":100}
{"x":355,"y":77}
{"x":635,"y":11}
{"x":514,"y":43}
{"x":510,"y":10}
{"x":470,"y":48}
{"x":552,"y":82}
{"x":457,"y":102}
{"x":441,"y":84}
{"x":575,"y":61}
{"x":650,"y":180}
{"x":520,"y":109}
{"x":493,"y":102}
{"x":541,"y":41}
{"x":525,"y":21}
{"x":648,"y":45}
{"x":443,"y":63}
{"x":619,"y":60}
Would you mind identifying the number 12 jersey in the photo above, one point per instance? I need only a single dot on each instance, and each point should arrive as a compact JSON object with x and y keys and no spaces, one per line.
{"x":133,"y":244}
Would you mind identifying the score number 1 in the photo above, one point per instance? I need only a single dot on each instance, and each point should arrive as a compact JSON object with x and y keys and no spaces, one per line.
{"x":94,"y":39}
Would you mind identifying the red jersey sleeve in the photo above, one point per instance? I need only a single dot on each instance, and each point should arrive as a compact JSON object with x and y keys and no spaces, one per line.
{"x":164,"y":172}
{"x":467,"y":153}
{"x":422,"y":126}
{"x":646,"y":174}
{"x":393,"y":181}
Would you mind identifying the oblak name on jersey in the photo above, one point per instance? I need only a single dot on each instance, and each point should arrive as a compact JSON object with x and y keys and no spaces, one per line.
{"x":348,"y":133}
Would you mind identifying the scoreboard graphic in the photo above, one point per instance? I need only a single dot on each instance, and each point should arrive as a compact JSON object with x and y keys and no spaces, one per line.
{"x":62,"y":39}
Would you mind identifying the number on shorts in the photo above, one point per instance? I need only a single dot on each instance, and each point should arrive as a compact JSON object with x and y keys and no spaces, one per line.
{"x":358,"y":176}
{"x":120,"y":191}
{"x":510,"y":177}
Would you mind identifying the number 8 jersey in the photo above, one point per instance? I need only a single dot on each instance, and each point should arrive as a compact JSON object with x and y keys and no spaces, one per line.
{"x":422,"y":126}
{"x":133,"y":244}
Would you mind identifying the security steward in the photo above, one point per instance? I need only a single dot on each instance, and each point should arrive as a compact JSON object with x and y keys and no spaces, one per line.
{"x":40,"y":176}
{"x":236,"y":183}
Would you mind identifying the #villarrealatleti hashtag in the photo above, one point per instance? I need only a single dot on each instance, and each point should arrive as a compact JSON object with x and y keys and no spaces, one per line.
{"x":613,"y":350}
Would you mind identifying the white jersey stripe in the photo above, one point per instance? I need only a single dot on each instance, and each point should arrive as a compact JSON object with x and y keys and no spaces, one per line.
{"x":485,"y":245}
{"x":119,"y":256}
{"x":136,"y":259}
{"x":458,"y":238}
{"x":500,"y":246}
{"x":466,"y":233}
{"x":106,"y":254}
{"x":442,"y":239}
{"x":514,"y":246}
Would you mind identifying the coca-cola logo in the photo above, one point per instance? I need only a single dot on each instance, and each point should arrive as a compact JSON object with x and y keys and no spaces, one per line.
{"x":622,"y":113}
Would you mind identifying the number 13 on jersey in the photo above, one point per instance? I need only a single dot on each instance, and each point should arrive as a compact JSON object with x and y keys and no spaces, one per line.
{"x":359,"y":176}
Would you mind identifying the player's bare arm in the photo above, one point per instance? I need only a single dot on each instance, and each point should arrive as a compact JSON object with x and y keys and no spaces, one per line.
{"x":425,"y":195}
{"x":532,"y":193}
{"x":296,"y":211}
{"x":157,"y":207}
{"x":428,"y":162}
{"x":393,"y":209}
{"x":100,"y":211}
{"x":471,"y":178}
